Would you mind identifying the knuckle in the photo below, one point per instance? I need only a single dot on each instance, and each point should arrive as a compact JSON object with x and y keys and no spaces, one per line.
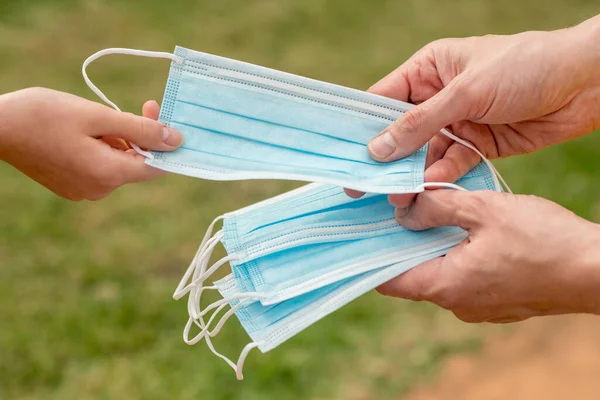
{"x":440,"y":45}
{"x":97,"y":195}
{"x":464,"y":89}
{"x":468,"y":317}
{"x":475,"y":204}
{"x":411,"y":120}
{"x":447,"y":301}
{"x":37,"y":91}
{"x":384,"y":290}
{"x":415,"y":218}
{"x":106,"y":178}
{"x":73,"y":197}
{"x":149,"y":129}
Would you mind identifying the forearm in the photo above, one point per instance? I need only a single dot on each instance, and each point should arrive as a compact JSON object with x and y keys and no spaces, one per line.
{"x":10,"y":129}
{"x":4,"y":127}
{"x":586,"y":62}
{"x":584,"y":272}
{"x":19,"y":112}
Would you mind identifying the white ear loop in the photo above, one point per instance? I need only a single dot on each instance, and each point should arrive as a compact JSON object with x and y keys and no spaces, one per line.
{"x":240,"y":364}
{"x":179,"y":291}
{"x":496,"y":176}
{"x":218,"y":303}
{"x":206,"y":334}
{"x":205,"y":331}
{"x":201,"y":258}
{"x":236,"y":367}
{"x":131,"y":52}
{"x":204,"y":276}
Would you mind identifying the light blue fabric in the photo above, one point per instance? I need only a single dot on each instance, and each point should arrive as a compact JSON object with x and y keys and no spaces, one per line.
{"x":280,"y":292}
{"x":329,"y":237}
{"x":269,"y":326}
{"x":318,"y":214}
{"x":242,"y":121}
{"x":316,"y":235}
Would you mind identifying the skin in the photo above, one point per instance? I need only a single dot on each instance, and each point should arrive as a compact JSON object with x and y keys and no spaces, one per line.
{"x":525,"y":256}
{"x":77,"y":148}
{"x":508,"y":95}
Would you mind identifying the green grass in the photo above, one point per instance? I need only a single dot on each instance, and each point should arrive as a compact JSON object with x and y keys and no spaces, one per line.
{"x":85,"y":288}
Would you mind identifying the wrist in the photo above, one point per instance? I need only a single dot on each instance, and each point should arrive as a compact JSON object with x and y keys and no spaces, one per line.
{"x":13,"y":112}
{"x":4,"y":127}
{"x":587,"y":265}
{"x":582,"y":54}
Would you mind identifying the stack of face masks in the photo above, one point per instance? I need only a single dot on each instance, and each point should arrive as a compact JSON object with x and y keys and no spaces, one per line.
{"x":299,"y":256}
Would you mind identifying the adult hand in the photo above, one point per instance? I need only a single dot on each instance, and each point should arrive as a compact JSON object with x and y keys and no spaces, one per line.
{"x":524,"y":256}
{"x":507,"y":95}
{"x":78,"y":148}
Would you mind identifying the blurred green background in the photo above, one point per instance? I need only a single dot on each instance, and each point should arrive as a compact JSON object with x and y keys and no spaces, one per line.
{"x":85,"y":288}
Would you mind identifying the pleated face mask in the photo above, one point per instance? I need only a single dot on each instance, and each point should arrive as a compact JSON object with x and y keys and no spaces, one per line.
{"x":278,"y":293}
{"x":269,"y":326}
{"x":307,"y":238}
{"x":243,"y":121}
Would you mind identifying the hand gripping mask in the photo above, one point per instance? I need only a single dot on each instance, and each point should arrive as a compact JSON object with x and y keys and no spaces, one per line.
{"x":313,"y":236}
{"x":243,"y":121}
{"x":277,"y":292}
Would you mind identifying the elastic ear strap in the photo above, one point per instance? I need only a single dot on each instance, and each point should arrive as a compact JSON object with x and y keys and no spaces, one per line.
{"x":242,"y":359}
{"x":205,"y":331}
{"x":196,"y":266}
{"x":194,"y":298}
{"x":181,"y":286}
{"x":204,"y":276}
{"x":204,"y":327}
{"x":443,"y":184}
{"x":131,"y":52}
{"x":495,"y":174}
{"x":238,"y":296}
{"x":237,"y":367}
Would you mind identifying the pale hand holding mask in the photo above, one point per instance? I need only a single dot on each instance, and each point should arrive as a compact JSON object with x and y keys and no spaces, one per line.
{"x":75,"y":147}
{"x":525,"y":256}
{"x":507,"y":95}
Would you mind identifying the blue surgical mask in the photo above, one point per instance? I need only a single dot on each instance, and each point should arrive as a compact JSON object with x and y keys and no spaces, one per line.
{"x":316,"y":235}
{"x":277,"y":294}
{"x":269,"y":326}
{"x":243,"y":121}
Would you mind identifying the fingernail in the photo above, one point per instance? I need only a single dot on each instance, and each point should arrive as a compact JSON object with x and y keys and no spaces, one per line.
{"x":400,"y":212}
{"x":383,"y":145}
{"x":172,"y":137}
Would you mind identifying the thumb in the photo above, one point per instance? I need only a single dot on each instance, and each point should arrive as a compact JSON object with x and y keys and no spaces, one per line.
{"x":413,"y":129}
{"x":442,"y":207}
{"x":142,"y":131}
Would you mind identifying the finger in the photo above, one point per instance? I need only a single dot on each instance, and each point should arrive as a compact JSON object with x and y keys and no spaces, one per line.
{"x":116,"y":143}
{"x":434,"y":208}
{"x":457,"y":161}
{"x":437,"y":148}
{"x":355,"y":194}
{"x":142,"y":131}
{"x":413,"y":129}
{"x":133,"y":169}
{"x":151,"y":110}
{"x":394,"y":85}
{"x":417,"y":283}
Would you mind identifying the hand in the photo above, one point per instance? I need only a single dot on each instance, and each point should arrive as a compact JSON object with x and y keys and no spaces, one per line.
{"x":507,"y":95}
{"x":77,"y":148}
{"x":525,"y":256}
